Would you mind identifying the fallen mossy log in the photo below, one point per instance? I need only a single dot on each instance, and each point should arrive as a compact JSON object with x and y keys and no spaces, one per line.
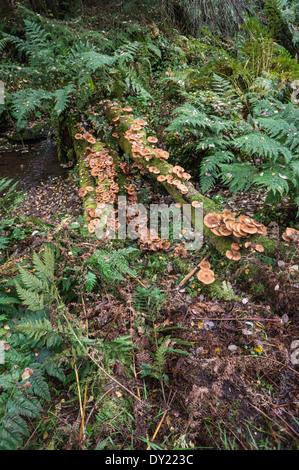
{"x":123,"y":123}
{"x":85,"y":178}
{"x":98,"y":166}
{"x":185,"y":193}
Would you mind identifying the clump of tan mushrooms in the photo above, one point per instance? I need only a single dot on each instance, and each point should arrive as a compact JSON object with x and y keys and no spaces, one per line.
{"x":291,"y":235}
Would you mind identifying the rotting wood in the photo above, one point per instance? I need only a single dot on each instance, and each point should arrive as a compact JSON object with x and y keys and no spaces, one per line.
{"x":124,"y":122}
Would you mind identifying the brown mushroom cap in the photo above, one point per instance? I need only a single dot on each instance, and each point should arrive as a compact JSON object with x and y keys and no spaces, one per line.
{"x":291,"y":234}
{"x":180,"y":251}
{"x":228,"y":214}
{"x":206,"y":276}
{"x":82,"y":192}
{"x":235,"y":246}
{"x":140,"y":122}
{"x":205,"y":265}
{"x":152,"y":139}
{"x":161,"y":178}
{"x":212,"y":220}
{"x":216,"y":231}
{"x":234,"y":255}
{"x":195,"y":204}
{"x":165,"y":244}
{"x":259,"y":248}
{"x":78,"y":136}
{"x":183,"y":188}
{"x":247,"y":228}
{"x":224,"y":230}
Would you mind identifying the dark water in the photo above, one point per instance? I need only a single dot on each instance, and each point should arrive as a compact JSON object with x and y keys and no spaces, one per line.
{"x":34,"y":167}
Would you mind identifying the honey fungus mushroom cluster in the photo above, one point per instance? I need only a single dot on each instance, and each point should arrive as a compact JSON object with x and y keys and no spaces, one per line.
{"x":87,"y":136}
{"x":152,"y":242}
{"x":225,"y":224}
{"x":135,"y":135}
{"x":291,"y":235}
{"x":205,"y":274}
{"x":102,"y":168}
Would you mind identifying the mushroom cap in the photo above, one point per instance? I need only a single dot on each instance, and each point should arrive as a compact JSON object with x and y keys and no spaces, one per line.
{"x":234,"y":255}
{"x":127,"y":109}
{"x":195,"y":204}
{"x":183,"y":188}
{"x":247,"y":228}
{"x":186,"y":176}
{"x":140,"y":122}
{"x":205,"y":265}
{"x":212,"y":220}
{"x":153,"y":169}
{"x":165,"y":244}
{"x":216,"y":231}
{"x":235,"y":246}
{"x":206,"y":276}
{"x":259,"y":248}
{"x":152,"y":139}
{"x":176,"y":169}
{"x":224,"y":230}
{"x":228,"y":214}
{"x":82,"y":192}
{"x":180,"y":251}
{"x":161,"y":178}
{"x":291,"y":234}
{"x":78,"y":136}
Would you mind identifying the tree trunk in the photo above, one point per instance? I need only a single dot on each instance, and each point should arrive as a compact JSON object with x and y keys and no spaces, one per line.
{"x":222,"y":244}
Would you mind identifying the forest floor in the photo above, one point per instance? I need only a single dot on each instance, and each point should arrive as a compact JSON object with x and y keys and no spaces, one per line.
{"x":237,"y":388}
{"x":229,"y":379}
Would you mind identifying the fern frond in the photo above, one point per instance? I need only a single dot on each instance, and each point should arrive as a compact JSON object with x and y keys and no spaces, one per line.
{"x":62,"y":98}
{"x":39,"y":330}
{"x":238,"y":176}
{"x":33,"y":300}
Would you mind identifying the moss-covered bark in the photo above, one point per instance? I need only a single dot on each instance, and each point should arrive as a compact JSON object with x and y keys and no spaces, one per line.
{"x":222,"y":244}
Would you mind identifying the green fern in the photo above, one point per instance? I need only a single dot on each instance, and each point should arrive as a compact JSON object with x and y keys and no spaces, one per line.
{"x":38,"y":288}
{"x":15,"y":405}
{"x":149,"y":300}
{"x":39,"y":330}
{"x":113,"y":265}
{"x":90,"y":281}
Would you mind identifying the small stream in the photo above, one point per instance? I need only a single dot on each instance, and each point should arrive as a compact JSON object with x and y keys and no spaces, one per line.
{"x":32,"y":167}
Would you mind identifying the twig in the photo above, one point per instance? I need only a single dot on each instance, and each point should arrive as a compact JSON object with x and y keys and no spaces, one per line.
{"x":160,"y":422}
{"x":79,"y":391}
{"x":191,"y":273}
{"x":286,"y":424}
{"x":82,"y":428}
